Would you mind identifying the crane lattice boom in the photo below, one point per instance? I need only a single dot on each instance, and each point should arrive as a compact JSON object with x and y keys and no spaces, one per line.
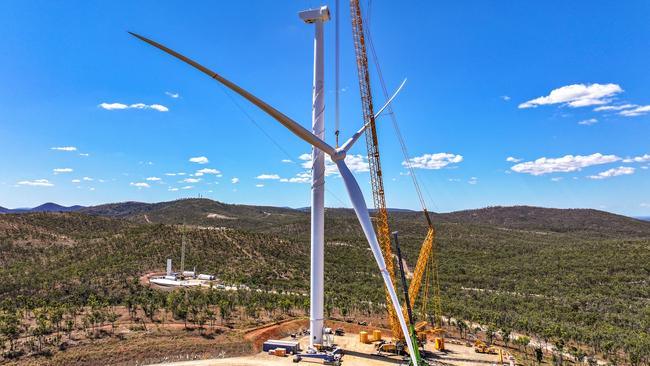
{"x":376,"y":179}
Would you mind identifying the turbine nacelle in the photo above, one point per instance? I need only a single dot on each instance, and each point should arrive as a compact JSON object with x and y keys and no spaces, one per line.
{"x":310,"y":16}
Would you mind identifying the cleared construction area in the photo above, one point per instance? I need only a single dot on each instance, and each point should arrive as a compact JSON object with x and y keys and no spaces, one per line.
{"x":357,"y":354}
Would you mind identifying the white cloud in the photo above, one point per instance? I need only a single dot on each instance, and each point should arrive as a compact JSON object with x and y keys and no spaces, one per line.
{"x":172,"y":95}
{"x":140,"y":185}
{"x":207,"y":171}
{"x":295,"y":180}
{"x":472,"y":180}
{"x":173,"y":189}
{"x":434,"y":161}
{"x":577,"y":95}
{"x":556,"y":179}
{"x":76,"y":181}
{"x":287,"y":161}
{"x":268,"y":177}
{"x":259,"y":185}
{"x":567,"y":163}
{"x":636,"y":111}
{"x":153,"y":179}
{"x":112,"y":106}
{"x":638,"y":159}
{"x":356,"y":163}
{"x":588,"y":122}
{"x":191,"y":180}
{"x":512,"y":159}
{"x":614,"y":107}
{"x":505,"y":97}
{"x":64,"y":148}
{"x":614,"y":172}
{"x":84,"y":154}
{"x":303,"y":177}
{"x":36,"y":183}
{"x":187,"y":187}
{"x":644,"y":204}
{"x":87,"y":179}
{"x":62,"y":170}
{"x":159,"y":108}
{"x":235,"y":180}
{"x":199,"y":160}
{"x":117,"y":106}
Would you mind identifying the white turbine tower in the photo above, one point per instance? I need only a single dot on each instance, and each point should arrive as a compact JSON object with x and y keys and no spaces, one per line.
{"x":317,"y":285}
{"x":337,"y":155}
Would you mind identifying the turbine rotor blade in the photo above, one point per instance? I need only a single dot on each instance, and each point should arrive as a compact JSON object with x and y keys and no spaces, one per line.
{"x":352,"y":140}
{"x":391,"y":99}
{"x":361,"y":210}
{"x":287,"y":122}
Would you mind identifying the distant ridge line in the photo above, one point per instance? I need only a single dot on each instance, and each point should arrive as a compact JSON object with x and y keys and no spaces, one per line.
{"x":520,"y":211}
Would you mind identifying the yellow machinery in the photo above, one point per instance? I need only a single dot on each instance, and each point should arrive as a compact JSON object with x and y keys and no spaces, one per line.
{"x":481,"y":347}
{"x":427,"y":266}
{"x":363,"y":337}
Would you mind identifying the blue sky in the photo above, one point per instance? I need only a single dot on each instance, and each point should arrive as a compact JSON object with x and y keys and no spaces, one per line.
{"x":559,"y":88}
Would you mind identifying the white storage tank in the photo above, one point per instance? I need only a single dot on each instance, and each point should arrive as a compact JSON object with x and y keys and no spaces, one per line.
{"x":169,"y":266}
{"x":206,"y":277}
{"x":189,"y":273}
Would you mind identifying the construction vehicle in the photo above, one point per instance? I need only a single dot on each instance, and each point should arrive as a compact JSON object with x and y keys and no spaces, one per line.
{"x":426,"y":267}
{"x":481,"y":347}
{"x":328,"y":358}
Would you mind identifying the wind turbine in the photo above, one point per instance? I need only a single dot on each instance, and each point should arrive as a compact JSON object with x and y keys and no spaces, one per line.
{"x":336,"y":154}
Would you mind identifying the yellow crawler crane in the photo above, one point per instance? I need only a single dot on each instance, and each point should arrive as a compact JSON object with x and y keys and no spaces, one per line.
{"x":427,"y":265}
{"x":427,"y":269}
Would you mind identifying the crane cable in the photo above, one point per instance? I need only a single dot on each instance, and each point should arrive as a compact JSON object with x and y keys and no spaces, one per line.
{"x":389,"y":110}
{"x":431,"y":271}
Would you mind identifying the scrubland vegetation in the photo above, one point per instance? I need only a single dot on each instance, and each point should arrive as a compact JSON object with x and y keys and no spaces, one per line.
{"x":574,"y":279}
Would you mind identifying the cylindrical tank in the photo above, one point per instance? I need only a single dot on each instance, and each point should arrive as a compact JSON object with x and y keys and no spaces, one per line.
{"x":206,"y":277}
{"x":376,"y":335}
{"x":363,"y":337}
{"x":188,"y":273}
{"x":439,"y":344}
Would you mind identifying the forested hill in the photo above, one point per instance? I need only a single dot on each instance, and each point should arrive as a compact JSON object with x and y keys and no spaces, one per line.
{"x":551,"y":219}
{"x":46,"y":207}
{"x":578,"y":275}
{"x":208,"y":213}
